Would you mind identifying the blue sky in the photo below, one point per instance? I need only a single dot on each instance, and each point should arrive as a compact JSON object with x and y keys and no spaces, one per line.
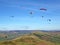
{"x":23,"y":20}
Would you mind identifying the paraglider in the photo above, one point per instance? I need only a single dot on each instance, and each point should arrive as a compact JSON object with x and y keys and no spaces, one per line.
{"x":30,"y":12}
{"x":12,"y":16}
{"x":5,"y":36}
{"x":49,"y":19}
{"x":43,"y":9}
{"x":42,"y":16}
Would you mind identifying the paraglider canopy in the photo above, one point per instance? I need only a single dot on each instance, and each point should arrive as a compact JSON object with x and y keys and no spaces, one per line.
{"x":43,"y":9}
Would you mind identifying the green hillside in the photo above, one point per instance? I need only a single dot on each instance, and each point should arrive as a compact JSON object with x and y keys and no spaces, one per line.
{"x":34,"y":38}
{"x":27,"y":40}
{"x":48,"y":37}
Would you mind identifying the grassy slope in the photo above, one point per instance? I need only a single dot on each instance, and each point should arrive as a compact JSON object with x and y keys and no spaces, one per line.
{"x":36,"y":38}
{"x":27,"y":40}
{"x":49,"y":37}
{"x":12,"y":34}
